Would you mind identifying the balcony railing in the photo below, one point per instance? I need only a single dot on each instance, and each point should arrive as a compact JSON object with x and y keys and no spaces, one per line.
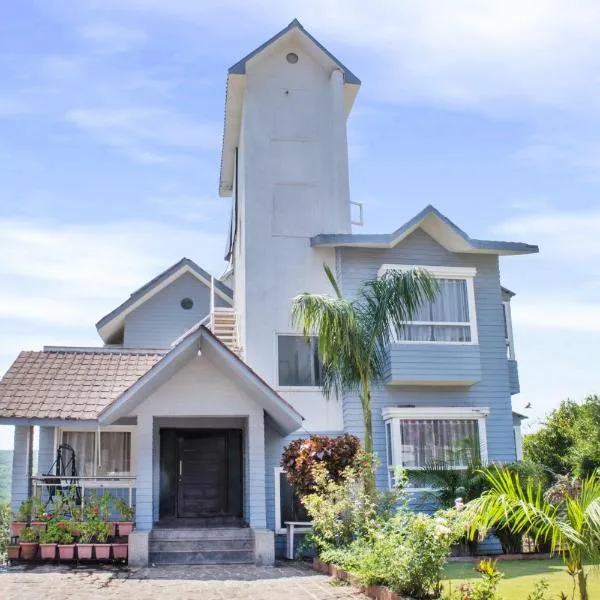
{"x":44,"y":486}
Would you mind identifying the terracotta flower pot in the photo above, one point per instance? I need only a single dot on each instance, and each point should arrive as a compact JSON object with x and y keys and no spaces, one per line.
{"x":102,"y":551}
{"x":16,"y":526}
{"x":48,"y":551}
{"x":125,"y":527}
{"x":120,"y":551}
{"x":13,"y":551}
{"x":29,"y":550}
{"x":66,"y":551}
{"x":84,"y":551}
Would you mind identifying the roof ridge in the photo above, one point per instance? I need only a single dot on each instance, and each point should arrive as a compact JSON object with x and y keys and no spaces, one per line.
{"x":101,"y":350}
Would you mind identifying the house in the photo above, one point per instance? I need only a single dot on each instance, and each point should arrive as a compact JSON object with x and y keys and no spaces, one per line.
{"x":201,"y":382}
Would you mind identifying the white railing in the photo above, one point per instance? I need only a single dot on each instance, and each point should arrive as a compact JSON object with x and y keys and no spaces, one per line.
{"x":48,"y":483}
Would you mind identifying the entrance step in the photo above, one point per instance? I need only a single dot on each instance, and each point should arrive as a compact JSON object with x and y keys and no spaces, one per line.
{"x":201,"y":546}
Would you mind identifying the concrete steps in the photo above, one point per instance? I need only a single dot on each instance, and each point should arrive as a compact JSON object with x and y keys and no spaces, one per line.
{"x":207,"y":546}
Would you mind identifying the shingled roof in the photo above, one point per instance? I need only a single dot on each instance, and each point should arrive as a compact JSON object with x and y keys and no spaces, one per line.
{"x":70,"y":384}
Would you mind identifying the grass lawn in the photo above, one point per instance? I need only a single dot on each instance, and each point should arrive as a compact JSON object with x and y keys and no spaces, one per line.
{"x":521,"y":575}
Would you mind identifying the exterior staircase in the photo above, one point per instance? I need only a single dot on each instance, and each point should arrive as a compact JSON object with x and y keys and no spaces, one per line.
{"x":223,"y":324}
{"x":206,"y":546}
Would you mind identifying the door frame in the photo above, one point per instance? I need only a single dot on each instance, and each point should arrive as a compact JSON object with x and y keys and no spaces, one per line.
{"x":169,"y":456}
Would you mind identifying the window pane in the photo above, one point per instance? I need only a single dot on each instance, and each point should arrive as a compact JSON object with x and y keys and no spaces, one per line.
{"x":455,"y":442}
{"x":115,"y":453}
{"x":436,"y":333}
{"x":83,"y":442}
{"x":298,"y":361}
{"x":450,"y":305}
{"x":291,"y":507}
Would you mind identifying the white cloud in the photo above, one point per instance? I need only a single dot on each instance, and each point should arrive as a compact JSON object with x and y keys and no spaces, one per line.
{"x":146,"y":134}
{"x":558,"y":314}
{"x":58,"y":275}
{"x":113,"y":38}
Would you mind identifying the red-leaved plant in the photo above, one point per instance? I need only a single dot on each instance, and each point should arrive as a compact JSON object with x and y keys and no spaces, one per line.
{"x":300,"y":457}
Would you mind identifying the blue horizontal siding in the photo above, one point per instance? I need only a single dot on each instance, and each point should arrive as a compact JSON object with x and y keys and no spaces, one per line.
{"x":411,"y":364}
{"x":357,"y":265}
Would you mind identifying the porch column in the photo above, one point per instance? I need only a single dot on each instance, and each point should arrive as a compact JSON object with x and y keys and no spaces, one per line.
{"x":256,"y":471}
{"x":143,"y":472}
{"x":20,"y":467}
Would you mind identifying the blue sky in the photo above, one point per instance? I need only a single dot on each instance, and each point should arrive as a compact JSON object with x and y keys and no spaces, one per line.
{"x":110,"y":126}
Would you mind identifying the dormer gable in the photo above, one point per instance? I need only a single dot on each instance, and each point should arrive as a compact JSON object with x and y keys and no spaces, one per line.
{"x":158,"y":303}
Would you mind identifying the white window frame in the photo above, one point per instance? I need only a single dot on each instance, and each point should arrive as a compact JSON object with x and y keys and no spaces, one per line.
{"x":132,"y":429}
{"x":279,"y":528}
{"x":290,"y":388}
{"x":466,"y":273}
{"x":394,"y":415}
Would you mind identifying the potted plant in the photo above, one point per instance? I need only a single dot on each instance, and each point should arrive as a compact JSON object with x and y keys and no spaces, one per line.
{"x":48,"y":541}
{"x":66,"y":547}
{"x":13,"y":551}
{"x":22,"y":517}
{"x":101,"y":547}
{"x":126,"y":513}
{"x":105,"y":512}
{"x":28,"y":540}
{"x":120,"y":550}
{"x":87,"y":530}
{"x":39,"y":519}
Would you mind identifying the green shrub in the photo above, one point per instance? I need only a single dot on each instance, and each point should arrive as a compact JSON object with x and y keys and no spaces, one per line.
{"x":29,"y":534}
{"x":484,"y":589}
{"x":126,"y":512}
{"x":4,"y":528}
{"x":102,"y":531}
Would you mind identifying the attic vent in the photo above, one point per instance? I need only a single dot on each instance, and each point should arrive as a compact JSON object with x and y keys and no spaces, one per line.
{"x":187,"y":303}
{"x":292,"y":57}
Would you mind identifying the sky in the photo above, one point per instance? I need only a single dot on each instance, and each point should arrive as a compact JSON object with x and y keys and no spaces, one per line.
{"x":111,"y":115}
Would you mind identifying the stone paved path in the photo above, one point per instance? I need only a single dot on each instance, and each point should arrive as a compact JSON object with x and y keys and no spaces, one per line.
{"x":286,"y":581}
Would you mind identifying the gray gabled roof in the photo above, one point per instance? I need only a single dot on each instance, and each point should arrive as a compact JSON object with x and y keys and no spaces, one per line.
{"x":434,"y":223}
{"x":285,"y":416}
{"x":185,"y":263}
{"x":240,"y":67}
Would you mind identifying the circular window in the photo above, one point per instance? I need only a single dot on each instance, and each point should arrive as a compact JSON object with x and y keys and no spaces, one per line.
{"x":292,"y":57}
{"x":187,"y":303}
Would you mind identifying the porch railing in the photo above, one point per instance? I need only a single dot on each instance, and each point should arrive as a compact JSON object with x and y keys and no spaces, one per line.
{"x":44,"y":485}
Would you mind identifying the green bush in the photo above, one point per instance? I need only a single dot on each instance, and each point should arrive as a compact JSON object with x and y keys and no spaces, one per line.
{"x":4,"y":528}
{"x":484,"y":589}
{"x":57,"y":532}
{"x":406,"y":553}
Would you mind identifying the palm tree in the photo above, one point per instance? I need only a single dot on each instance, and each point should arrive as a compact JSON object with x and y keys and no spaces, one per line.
{"x":353,"y":335}
{"x":568,"y":521}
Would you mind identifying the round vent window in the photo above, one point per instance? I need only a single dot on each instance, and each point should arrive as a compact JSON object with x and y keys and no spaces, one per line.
{"x":187,"y":303}
{"x":292,"y":57}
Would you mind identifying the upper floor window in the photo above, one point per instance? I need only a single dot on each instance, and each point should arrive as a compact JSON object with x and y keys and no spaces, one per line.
{"x":450,"y":318}
{"x":298,"y":363}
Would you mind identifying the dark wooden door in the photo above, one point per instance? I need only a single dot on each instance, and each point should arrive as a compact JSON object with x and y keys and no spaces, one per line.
{"x":201,"y":473}
{"x":202,"y":487}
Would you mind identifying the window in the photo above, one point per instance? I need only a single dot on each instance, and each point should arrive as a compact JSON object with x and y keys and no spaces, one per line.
{"x":298,"y":361}
{"x":450,"y":318}
{"x":287,"y":503}
{"x":108,"y":455}
{"x":417,"y":437}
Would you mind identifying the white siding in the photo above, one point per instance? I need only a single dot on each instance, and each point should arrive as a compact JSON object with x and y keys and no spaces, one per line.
{"x":20,"y":468}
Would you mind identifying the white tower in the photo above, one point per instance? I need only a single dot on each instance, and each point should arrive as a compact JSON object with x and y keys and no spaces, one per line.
{"x":285,"y":163}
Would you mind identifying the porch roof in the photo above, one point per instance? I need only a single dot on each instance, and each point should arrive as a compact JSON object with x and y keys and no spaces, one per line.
{"x":70,"y":384}
{"x":202,"y":341}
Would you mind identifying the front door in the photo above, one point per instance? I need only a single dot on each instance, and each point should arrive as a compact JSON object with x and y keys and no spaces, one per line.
{"x":201,"y":473}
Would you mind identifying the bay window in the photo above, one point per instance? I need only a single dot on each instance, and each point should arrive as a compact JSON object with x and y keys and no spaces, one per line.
{"x":104,"y":454}
{"x":419,"y":437}
{"x":450,"y":317}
